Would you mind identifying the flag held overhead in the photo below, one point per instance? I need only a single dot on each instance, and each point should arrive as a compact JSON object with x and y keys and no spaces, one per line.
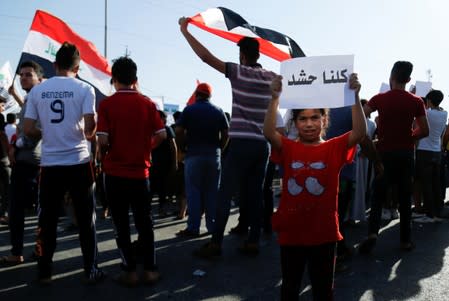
{"x":47,"y":33}
{"x":229,"y":25}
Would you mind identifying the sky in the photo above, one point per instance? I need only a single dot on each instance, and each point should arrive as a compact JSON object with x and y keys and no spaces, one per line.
{"x":377,"y":32}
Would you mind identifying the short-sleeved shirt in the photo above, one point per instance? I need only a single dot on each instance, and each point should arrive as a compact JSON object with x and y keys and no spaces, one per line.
{"x":59,"y":104}
{"x":130,"y":120}
{"x":437,"y":124}
{"x":308,"y":210}
{"x":203,"y":123}
{"x":340,"y":120}
{"x":397,"y":111}
{"x":250,"y":97}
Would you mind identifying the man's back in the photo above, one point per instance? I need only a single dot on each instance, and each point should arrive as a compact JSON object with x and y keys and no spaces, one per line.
{"x":203,"y":122}
{"x":397,"y":111}
{"x":130,"y":120}
{"x":250,"y":97}
{"x":59,"y":104}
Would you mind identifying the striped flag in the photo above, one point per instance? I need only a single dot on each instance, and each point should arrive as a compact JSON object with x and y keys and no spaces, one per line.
{"x":227,"y":24}
{"x":47,"y":33}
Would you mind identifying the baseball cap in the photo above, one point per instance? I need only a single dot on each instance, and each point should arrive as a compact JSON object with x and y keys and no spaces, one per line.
{"x":204,"y":88}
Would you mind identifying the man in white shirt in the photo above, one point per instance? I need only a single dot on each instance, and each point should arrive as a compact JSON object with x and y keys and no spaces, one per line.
{"x":65,"y":108}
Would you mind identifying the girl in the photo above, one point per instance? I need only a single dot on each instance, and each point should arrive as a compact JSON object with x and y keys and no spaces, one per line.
{"x":307,"y":218}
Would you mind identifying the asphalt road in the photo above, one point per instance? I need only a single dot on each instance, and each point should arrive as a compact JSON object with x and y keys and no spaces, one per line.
{"x":386,"y":274}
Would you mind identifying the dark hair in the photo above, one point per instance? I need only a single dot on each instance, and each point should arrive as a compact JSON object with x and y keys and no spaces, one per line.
{"x":11,"y":118}
{"x":401,"y":71}
{"x":176,"y":115}
{"x":36,"y":67}
{"x":295,"y":112}
{"x":435,"y":97}
{"x":363,"y":101}
{"x":124,"y":70}
{"x":202,"y":96}
{"x":162,"y":114}
{"x":249,"y":47}
{"x":67,"y":56}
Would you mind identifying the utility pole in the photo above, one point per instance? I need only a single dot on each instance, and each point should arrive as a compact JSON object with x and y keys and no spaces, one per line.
{"x":127,"y":53}
{"x":429,"y":75}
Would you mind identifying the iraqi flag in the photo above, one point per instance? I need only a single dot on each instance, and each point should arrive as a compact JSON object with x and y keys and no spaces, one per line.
{"x":47,"y":33}
{"x":227,"y":24}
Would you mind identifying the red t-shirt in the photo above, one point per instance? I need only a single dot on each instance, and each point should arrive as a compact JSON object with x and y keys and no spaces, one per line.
{"x":307,"y":213}
{"x":397,"y":111}
{"x":129,"y":119}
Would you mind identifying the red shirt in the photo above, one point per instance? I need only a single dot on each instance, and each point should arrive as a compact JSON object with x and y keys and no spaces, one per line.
{"x":307,"y":213}
{"x":129,"y":119}
{"x":397,"y":111}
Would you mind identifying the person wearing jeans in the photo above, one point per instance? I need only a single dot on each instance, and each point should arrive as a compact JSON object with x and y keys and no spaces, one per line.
{"x":205,"y":128}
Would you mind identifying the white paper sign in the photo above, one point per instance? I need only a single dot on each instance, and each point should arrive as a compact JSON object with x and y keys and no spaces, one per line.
{"x":384,"y":88}
{"x":422,"y":88}
{"x":317,"y":82}
{"x":6,"y":75}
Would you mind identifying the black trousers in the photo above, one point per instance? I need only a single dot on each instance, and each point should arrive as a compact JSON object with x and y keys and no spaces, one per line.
{"x":23,"y":190}
{"x":320,"y":260}
{"x":55,"y":181}
{"x":122,"y":194}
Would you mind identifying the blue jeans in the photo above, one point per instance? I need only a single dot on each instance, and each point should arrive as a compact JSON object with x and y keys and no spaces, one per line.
{"x":202,"y":177}
{"x":246,"y":159}
{"x":398,"y":169}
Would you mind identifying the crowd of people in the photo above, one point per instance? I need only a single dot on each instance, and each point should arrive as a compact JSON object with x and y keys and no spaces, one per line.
{"x":336,"y":165}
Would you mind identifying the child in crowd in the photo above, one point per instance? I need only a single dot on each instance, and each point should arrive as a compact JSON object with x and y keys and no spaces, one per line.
{"x":307,"y":217}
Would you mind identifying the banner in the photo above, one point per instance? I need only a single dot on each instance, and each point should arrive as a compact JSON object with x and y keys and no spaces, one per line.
{"x":229,"y":25}
{"x":317,"y":82}
{"x":47,"y":33}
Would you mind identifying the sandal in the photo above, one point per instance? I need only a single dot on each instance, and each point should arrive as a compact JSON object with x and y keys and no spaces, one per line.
{"x":11,"y":260}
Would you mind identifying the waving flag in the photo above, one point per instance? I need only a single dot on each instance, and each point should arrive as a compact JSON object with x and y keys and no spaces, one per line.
{"x":227,"y":24}
{"x":47,"y":33}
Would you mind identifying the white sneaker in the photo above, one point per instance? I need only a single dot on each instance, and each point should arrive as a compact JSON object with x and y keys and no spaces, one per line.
{"x":386,"y":214}
{"x":394,"y":213}
{"x":424,"y":219}
{"x":416,"y":215}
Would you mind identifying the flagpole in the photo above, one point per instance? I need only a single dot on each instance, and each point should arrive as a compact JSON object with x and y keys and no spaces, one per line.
{"x":105,"y":28}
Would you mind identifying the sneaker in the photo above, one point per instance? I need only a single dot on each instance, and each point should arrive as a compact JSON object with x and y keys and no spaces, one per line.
{"x":11,"y":260}
{"x":96,"y":276}
{"x":249,"y":249}
{"x":44,"y":281}
{"x":186,"y":233}
{"x":127,"y":279}
{"x":394,"y":213}
{"x":208,"y":251}
{"x":4,"y":220}
{"x":366,"y":246}
{"x":386,"y":214}
{"x":417,"y":214}
{"x":424,"y":219}
{"x":239,"y":230}
{"x":151,"y":277}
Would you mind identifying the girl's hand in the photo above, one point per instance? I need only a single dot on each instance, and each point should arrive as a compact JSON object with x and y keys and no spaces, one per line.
{"x":354,"y":83}
{"x":276,"y":87}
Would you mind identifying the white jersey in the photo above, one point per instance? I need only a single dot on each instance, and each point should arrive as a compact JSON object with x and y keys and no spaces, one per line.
{"x":59,"y":104}
{"x":437,"y":124}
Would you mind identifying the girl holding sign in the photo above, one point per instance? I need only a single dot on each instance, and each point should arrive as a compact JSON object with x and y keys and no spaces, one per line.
{"x":307,"y":218}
